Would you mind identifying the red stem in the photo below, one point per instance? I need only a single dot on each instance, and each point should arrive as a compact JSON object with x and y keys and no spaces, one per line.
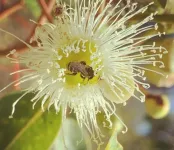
{"x":45,"y":10}
{"x":11,"y":10}
{"x":41,"y":20}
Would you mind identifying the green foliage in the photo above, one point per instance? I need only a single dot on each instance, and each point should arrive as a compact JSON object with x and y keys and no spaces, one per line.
{"x":113,"y":143}
{"x":71,"y":137}
{"x":33,"y":7}
{"x":28,"y":129}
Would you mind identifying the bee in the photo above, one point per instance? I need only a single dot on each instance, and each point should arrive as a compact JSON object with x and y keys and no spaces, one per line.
{"x":82,"y":68}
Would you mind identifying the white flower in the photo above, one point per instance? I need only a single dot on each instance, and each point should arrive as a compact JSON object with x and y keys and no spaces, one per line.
{"x":111,"y":50}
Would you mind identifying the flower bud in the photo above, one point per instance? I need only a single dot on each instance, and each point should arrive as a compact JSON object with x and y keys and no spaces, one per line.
{"x":157,"y":106}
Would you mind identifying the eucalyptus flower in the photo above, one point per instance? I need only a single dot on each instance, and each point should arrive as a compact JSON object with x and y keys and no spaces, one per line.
{"x":88,"y":61}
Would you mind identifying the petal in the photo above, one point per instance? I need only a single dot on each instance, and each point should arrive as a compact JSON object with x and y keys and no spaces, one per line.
{"x":119,"y":94}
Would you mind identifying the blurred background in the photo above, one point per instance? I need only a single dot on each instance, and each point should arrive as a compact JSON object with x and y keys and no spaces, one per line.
{"x":150,"y":124}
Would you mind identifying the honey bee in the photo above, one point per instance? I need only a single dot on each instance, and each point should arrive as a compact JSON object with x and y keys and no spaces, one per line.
{"x":82,"y":68}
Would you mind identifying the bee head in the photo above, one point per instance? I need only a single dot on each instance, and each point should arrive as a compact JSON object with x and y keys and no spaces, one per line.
{"x":83,"y":62}
{"x":90,"y":72}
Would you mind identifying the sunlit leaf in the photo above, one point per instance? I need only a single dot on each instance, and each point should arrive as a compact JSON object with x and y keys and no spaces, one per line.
{"x":110,"y":130}
{"x":33,"y":7}
{"x":71,"y":137}
{"x":28,"y":129}
{"x":113,"y":143}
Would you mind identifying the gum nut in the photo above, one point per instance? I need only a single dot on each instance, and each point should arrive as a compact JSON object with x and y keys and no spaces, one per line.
{"x":157,"y":106}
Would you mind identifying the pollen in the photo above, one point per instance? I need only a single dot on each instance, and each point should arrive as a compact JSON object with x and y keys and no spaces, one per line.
{"x":80,"y":51}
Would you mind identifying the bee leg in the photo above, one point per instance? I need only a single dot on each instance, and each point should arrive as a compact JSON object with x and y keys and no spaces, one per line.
{"x":82,"y":76}
{"x":73,"y":73}
{"x":83,"y":62}
{"x":84,"y":82}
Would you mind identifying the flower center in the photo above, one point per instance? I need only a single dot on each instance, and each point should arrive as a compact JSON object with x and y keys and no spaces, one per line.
{"x":82,"y":62}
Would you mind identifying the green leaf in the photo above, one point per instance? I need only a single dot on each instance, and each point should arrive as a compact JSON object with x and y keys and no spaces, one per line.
{"x":33,"y":7}
{"x":71,"y":137}
{"x":113,"y":143}
{"x":28,"y":129}
{"x":110,"y":134}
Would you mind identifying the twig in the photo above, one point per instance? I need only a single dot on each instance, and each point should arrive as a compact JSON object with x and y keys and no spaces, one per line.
{"x":19,"y":48}
{"x":11,"y":10}
{"x":4,"y":1}
{"x":43,"y":18}
{"x":45,"y":10}
{"x":22,"y":21}
{"x":22,"y":47}
{"x":102,"y":7}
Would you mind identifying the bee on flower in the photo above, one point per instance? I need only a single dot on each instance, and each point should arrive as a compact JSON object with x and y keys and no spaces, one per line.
{"x":89,"y":62}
